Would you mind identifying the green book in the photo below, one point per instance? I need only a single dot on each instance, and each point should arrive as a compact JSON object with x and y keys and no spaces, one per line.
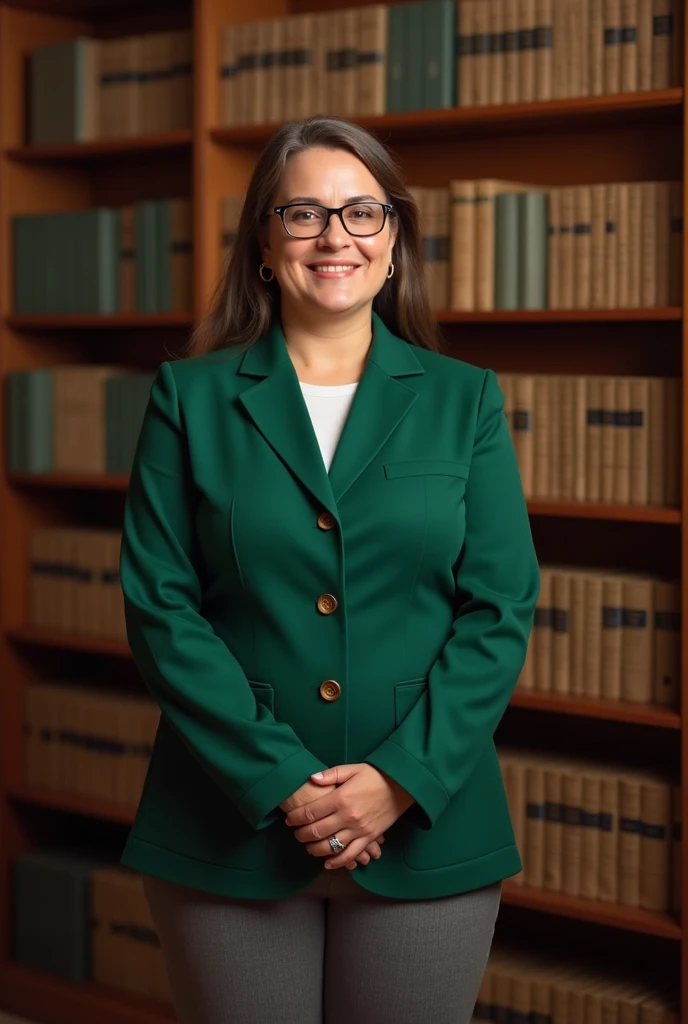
{"x":62,"y":92}
{"x":414,"y":70}
{"x":37,"y":432}
{"x":23,"y":248}
{"x":396,"y":71}
{"x":145,"y":232}
{"x":163,"y":245}
{"x":506,"y":250}
{"x":532,"y":262}
{"x":439,"y":54}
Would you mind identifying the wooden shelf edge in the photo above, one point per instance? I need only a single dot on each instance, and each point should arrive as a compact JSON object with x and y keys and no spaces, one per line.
{"x":596,"y":911}
{"x":87,"y":481}
{"x":590,"y":707}
{"x":72,"y":321}
{"x":598,"y":510}
{"x":101,"y":147}
{"x":74,"y":803}
{"x":550,"y":316}
{"x":31,"y":636}
{"x":26,"y":991}
{"x":487,"y":118}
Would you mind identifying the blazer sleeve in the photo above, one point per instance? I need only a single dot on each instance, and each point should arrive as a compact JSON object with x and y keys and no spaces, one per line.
{"x":436,"y":747}
{"x":199,"y":685}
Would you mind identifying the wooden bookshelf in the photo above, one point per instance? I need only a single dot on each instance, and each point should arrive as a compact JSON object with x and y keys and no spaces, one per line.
{"x":627,"y":137}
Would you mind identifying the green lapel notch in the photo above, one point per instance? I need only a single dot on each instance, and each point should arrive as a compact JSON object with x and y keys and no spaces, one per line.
{"x":277,"y":407}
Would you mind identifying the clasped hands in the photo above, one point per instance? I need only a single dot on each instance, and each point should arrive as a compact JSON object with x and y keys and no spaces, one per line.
{"x":358,"y":803}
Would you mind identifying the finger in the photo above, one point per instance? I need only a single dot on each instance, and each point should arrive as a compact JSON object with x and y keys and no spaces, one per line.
{"x":323,"y":828}
{"x":351,"y":865}
{"x":381,"y":839}
{"x":313,"y":810}
{"x":337,"y":774}
{"x":352,"y":850}
{"x":363,"y":858}
{"x":374,"y":850}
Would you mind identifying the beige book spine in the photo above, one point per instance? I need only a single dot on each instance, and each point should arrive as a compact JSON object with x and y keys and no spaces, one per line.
{"x":565,"y":455}
{"x":523,"y":429}
{"x":463,"y":207}
{"x":526,"y":55}
{"x":583,"y":30}
{"x":611,"y":246}
{"x":542,"y":406}
{"x":635,"y":242}
{"x":578,"y":620}
{"x":572,"y":795}
{"x":164,"y":43}
{"x":464,"y":65}
{"x":372,"y":58}
{"x":542,"y":630}
{"x":622,"y":440}
{"x":629,"y":46}
{"x":349,"y":73}
{"x":672,"y":441}
{"x":496,"y":72}
{"x":661,"y":44}
{"x":591,"y":806}
{"x":640,"y":437}
{"x":598,"y":278}
{"x":609,"y":838}
{"x":534,"y":860}
{"x":512,"y":64}
{"x":553,"y":244}
{"x":638,"y":640}
{"x":485,"y":190}
{"x":666,"y":685}
{"x":560,"y":78}
{"x":567,"y":262}
{"x":555,"y":440}
{"x":612,"y":636}
{"x":612,"y":56}
{"x":579,"y":388}
{"x":582,"y":244}
{"x":289,"y":68}
{"x":304,"y":100}
{"x":276,"y":78}
{"x":630,"y":825}
{"x":544,"y":39}
{"x":517,"y":804}
{"x":663,"y":243}
{"x":676,"y":849}
{"x":655,"y":845}
{"x":554,"y":828}
{"x":596,"y":47}
{"x":608,"y":439}
{"x":260,"y":74}
{"x":656,"y":420}
{"x":644,"y":33}
{"x":106,"y":101}
{"x":575,"y":39}
{"x":623,"y":242}
{"x":561,"y":633}
{"x":649,"y":240}
{"x":481,"y":59}
{"x":593,"y":439}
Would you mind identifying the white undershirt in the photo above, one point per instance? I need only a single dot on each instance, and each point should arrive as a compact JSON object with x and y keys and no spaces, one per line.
{"x":328,"y":406}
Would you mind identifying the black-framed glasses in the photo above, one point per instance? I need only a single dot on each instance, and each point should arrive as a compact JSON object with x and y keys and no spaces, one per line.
{"x":310,"y":220}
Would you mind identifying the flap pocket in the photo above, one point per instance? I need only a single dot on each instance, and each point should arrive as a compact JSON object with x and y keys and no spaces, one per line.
{"x":405,"y":696}
{"x":264,"y":694}
{"x":422,"y":467}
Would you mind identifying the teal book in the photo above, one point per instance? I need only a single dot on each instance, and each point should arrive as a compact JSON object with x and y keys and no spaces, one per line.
{"x":163,"y":245}
{"x":145,"y":232}
{"x":414,"y":70}
{"x":396,"y":71}
{"x":23,"y":248}
{"x":532,"y":263}
{"x":37,"y":422}
{"x":61,"y":87}
{"x":507,"y":250}
{"x":439,"y":54}
{"x":106,"y":252}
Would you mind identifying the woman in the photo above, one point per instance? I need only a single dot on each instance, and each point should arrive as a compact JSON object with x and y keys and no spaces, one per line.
{"x":327,"y":567}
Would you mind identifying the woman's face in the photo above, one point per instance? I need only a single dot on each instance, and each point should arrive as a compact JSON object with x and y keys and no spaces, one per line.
{"x":358,"y":265}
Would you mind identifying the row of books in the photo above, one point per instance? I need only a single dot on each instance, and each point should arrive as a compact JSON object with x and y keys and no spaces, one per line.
{"x":595,"y":831}
{"x":74,"y":584}
{"x":607,"y":634}
{"x":85,"y":89}
{"x":538,"y":986}
{"x":517,"y":51}
{"x":497,"y":244}
{"x":84,"y":740}
{"x":133,"y":258}
{"x":596,"y":438}
{"x":81,"y":916}
{"x":74,"y":418}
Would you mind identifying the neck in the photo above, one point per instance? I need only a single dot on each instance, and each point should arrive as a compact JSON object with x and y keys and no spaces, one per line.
{"x":328,"y":348}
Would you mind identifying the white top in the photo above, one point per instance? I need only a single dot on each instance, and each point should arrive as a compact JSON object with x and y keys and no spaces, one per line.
{"x":328,"y":405}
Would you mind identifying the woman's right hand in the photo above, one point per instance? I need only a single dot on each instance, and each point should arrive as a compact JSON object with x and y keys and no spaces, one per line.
{"x":310,"y":791}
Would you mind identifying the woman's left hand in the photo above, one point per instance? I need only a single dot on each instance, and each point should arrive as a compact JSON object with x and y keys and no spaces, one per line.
{"x":363,"y":806}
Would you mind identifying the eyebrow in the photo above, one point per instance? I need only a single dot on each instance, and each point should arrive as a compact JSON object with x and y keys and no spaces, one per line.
{"x":319,"y":202}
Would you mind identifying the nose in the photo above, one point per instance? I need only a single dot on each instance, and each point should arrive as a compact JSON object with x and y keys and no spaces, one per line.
{"x":334,"y":234}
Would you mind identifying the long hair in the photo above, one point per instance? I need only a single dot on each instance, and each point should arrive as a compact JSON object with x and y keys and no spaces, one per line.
{"x":243,"y":306}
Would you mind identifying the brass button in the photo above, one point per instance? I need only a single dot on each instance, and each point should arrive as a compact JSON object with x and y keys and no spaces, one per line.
{"x":327,"y":604}
{"x":330,"y":689}
{"x":326,"y":521}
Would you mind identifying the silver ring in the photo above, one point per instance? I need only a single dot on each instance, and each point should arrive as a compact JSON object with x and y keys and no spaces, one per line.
{"x":335,"y":845}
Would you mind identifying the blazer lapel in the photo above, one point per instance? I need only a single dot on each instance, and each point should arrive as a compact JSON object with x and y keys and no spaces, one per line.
{"x":277,"y":407}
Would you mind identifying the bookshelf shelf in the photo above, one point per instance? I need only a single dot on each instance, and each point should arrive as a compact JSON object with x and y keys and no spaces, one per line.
{"x":75,"y":321}
{"x":56,"y":1000}
{"x":34,"y":637}
{"x":590,"y":707}
{"x":102,"y":148}
{"x":630,"y":918}
{"x":39,"y":796}
{"x":555,"y":316}
{"x":598,"y":510}
{"x":87,"y":481}
{"x":503,"y":119}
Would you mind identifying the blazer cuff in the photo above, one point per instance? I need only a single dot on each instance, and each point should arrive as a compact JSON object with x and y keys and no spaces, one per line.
{"x":260,"y":805}
{"x":430,"y":796}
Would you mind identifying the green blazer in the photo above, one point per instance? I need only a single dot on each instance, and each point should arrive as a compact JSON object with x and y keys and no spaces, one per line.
{"x":286,"y":619}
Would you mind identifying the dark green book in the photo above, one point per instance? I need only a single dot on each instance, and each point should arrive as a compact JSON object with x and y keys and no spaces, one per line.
{"x":439,"y":54}
{"x":414,"y":70}
{"x":61,"y":92}
{"x":163,"y":242}
{"x":507,"y":250}
{"x":145,"y":232}
{"x":532,"y":262}
{"x":396,"y":71}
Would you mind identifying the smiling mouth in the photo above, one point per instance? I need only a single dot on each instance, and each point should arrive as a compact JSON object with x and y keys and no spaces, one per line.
{"x":332,"y":270}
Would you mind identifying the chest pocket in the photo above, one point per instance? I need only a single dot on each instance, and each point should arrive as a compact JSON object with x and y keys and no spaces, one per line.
{"x":425,"y":467}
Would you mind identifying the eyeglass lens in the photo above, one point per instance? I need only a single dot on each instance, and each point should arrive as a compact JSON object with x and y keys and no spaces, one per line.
{"x":309,"y":221}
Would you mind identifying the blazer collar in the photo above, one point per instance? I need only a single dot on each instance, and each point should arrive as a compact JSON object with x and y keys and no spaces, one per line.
{"x":277,"y":407}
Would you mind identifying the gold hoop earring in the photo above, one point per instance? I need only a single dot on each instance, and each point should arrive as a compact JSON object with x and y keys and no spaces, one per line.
{"x":390,"y":272}
{"x":261,"y":268}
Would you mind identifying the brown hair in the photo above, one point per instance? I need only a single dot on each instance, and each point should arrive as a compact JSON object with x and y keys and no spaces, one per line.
{"x":243,"y":305}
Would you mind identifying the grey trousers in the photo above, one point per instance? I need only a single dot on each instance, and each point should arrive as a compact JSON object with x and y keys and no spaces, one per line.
{"x":331,"y":954}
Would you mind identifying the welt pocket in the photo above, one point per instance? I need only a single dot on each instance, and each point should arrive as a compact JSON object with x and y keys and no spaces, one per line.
{"x":264,"y":693}
{"x":424,"y":467}
{"x":405,"y":696}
